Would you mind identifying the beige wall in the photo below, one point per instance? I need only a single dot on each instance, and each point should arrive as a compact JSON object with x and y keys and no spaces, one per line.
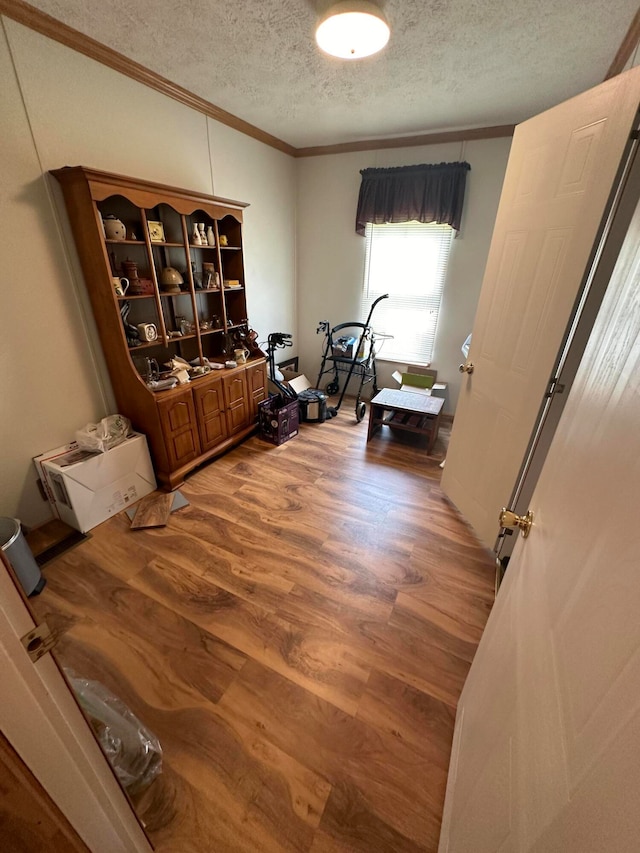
{"x":59,"y":108}
{"x":331,"y":254}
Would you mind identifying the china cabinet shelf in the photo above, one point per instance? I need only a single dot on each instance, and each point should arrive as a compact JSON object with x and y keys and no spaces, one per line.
{"x":110,"y":242}
{"x":145,"y":345}
{"x":126,"y":297}
{"x":196,"y":421}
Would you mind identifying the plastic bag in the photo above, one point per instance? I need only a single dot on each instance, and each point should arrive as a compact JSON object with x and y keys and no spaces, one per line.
{"x":132,"y":750}
{"x":101,"y":437}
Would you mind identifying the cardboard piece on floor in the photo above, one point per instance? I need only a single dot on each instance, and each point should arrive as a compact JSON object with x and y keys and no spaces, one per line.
{"x":179,"y":501}
{"x":153,"y":511}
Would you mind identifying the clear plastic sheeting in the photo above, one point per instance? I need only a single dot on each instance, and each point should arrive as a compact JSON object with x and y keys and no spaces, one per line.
{"x":132,"y":750}
{"x":101,"y":437}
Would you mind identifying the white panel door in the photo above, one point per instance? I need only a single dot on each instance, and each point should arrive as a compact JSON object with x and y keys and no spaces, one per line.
{"x":561,"y":171}
{"x":547,"y":743}
{"x":42,"y":721}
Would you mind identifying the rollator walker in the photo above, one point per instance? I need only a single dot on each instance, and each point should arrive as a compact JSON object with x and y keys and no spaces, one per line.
{"x":349,"y":350}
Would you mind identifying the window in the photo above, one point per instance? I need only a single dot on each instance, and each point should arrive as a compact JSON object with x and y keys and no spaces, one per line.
{"x":409,"y":262}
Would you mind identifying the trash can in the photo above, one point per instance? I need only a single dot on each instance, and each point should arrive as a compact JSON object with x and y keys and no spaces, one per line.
{"x":19,"y":555}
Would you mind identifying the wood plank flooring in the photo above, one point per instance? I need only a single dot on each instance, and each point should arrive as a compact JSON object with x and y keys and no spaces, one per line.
{"x":297,"y":638}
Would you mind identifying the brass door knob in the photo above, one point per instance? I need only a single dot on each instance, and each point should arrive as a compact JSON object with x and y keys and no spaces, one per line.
{"x":467,"y":367}
{"x":516,"y":522}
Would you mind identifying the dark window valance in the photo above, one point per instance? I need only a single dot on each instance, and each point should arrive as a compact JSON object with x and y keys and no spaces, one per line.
{"x":426,"y":193}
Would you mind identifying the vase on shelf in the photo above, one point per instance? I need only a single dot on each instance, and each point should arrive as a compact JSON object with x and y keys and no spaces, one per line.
{"x":195,"y":239}
{"x":197,"y":278}
{"x":203,"y":235}
{"x":113,"y":228}
{"x":211,"y":239}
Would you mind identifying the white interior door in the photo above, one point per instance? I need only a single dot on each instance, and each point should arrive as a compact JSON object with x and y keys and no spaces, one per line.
{"x":43,"y":723}
{"x":559,"y":179}
{"x":547,"y":743}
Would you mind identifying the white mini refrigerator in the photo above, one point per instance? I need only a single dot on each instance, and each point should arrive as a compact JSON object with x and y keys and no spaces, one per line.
{"x":86,"y":489}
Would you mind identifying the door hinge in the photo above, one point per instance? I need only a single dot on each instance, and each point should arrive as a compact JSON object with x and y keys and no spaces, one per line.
{"x":555,"y":387}
{"x":39,"y":641}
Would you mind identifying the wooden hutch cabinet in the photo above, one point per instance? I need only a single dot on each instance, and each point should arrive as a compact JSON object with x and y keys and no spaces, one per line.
{"x":183,"y":295}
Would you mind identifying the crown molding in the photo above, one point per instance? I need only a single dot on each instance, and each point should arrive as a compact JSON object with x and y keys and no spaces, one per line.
{"x":409,"y":141}
{"x":628,"y":45}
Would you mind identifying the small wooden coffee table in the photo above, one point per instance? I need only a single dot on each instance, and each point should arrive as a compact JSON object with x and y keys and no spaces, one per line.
{"x":408,"y":411}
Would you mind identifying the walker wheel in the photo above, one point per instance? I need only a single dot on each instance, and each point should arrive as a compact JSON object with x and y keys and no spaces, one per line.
{"x":332,"y":388}
{"x":361,"y":411}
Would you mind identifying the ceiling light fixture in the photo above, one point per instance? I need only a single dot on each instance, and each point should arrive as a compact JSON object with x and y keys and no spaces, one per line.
{"x":352,"y":29}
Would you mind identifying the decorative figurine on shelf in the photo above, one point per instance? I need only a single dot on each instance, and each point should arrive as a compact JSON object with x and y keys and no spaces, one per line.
{"x":170,"y":280}
{"x":197,"y":278}
{"x":208,"y":272}
{"x":130,"y":268}
{"x":251,"y":340}
{"x":224,"y":240}
{"x":131,"y":272}
{"x":156,"y":231}
{"x":202,"y":235}
{"x":130,"y":331}
{"x":211,"y":239}
{"x":216,"y":280}
{"x":196,"y":239}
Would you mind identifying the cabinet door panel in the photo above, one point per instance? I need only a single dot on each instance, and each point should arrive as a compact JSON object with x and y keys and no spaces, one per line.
{"x":235,"y":389}
{"x":212,"y":424}
{"x":179,"y":415}
{"x":257,"y":384}
{"x":183,"y":447}
{"x":178,"y":420}
{"x":235,"y":394}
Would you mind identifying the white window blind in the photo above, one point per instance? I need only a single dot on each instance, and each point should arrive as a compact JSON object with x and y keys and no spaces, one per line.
{"x":409,"y":262}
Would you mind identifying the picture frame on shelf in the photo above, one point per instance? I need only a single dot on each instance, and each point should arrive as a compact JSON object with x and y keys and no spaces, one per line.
{"x":156,"y":231}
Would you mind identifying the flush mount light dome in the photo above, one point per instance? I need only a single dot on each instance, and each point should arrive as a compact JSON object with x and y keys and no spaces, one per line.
{"x":352,"y":29}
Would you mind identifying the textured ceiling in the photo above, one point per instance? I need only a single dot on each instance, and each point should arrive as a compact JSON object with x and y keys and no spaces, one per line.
{"x":449,"y":64}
